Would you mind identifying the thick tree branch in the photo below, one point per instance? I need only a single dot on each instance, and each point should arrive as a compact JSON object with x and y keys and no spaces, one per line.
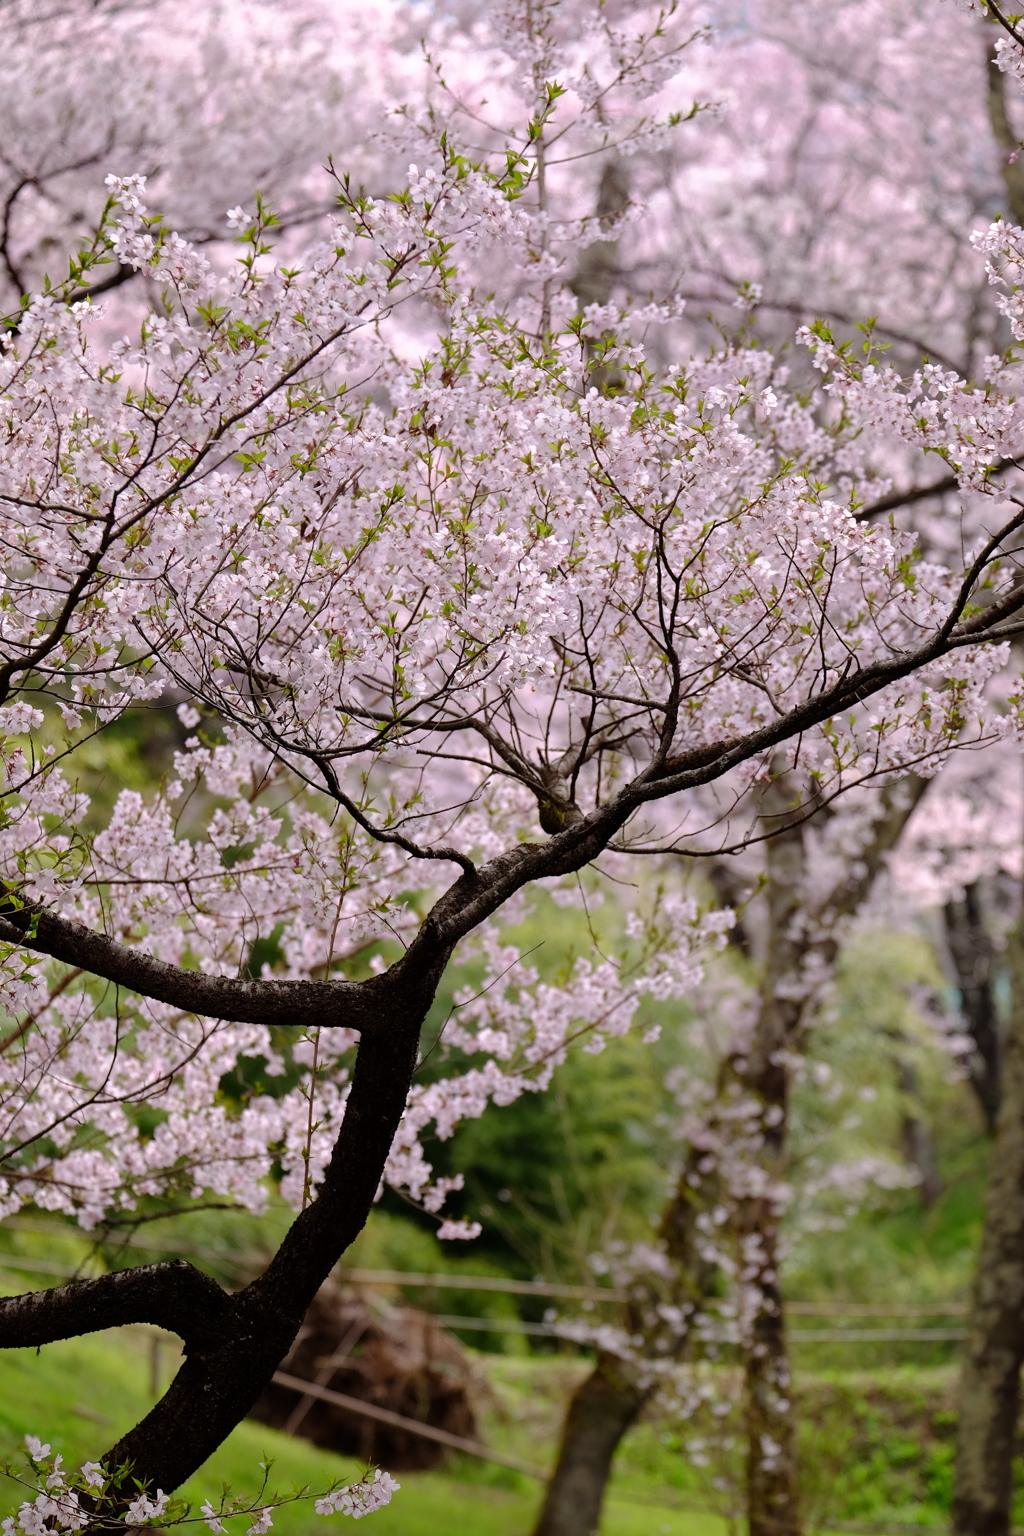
{"x":175,"y":1296}
{"x":918,"y":493}
{"x":476,"y":895}
{"x":711,"y":760}
{"x":238,"y":1001}
{"x":994,"y":614}
{"x":215,"y":1389}
{"x":470,"y":902}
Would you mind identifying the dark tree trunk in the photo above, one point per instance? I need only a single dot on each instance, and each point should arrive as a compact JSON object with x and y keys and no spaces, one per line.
{"x":918,"y":1147}
{"x":601,"y":1410}
{"x":1011,"y":167}
{"x":608,"y":1401}
{"x":598,"y":264}
{"x":587,"y":1438}
{"x":773,"y":1484}
{"x":990,"y":1378}
{"x":233,"y":1344}
{"x":971,"y":951}
{"x":772,"y":1468}
{"x":216,"y":1386}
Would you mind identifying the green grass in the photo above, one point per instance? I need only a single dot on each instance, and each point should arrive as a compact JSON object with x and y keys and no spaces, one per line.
{"x":79,"y":1395}
{"x":877,"y":1440}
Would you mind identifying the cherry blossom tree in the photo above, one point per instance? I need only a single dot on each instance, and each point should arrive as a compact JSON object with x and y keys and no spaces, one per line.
{"x":735,"y":1183}
{"x":443,"y":605}
{"x":850,"y":140}
{"x":128,"y":87}
{"x":970,"y":827}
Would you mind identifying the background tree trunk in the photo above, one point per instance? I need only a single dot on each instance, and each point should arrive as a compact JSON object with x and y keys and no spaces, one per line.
{"x":601,"y":1409}
{"x":1011,"y":167}
{"x":990,"y":1379}
{"x":609,"y":1401}
{"x":597,"y":266}
{"x":772,"y":1482}
{"x":918,"y":1146}
{"x":970,"y":949}
{"x":773,"y":1490}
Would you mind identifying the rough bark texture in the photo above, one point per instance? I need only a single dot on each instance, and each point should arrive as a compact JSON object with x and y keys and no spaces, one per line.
{"x":773,"y":1488}
{"x":990,"y":1379}
{"x":302,"y":1004}
{"x":174,"y":1296}
{"x":217,"y":1385}
{"x":607,"y":1403}
{"x":601,"y":1410}
{"x":971,"y":951}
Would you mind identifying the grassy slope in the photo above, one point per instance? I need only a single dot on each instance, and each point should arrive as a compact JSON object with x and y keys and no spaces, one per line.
{"x":79,"y":1394}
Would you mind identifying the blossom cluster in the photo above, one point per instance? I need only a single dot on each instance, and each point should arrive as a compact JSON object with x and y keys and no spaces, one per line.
{"x":58,"y":1504}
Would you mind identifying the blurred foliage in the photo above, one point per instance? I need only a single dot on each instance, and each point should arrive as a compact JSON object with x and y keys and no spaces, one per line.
{"x":135,"y":751}
{"x":891,"y":1245}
